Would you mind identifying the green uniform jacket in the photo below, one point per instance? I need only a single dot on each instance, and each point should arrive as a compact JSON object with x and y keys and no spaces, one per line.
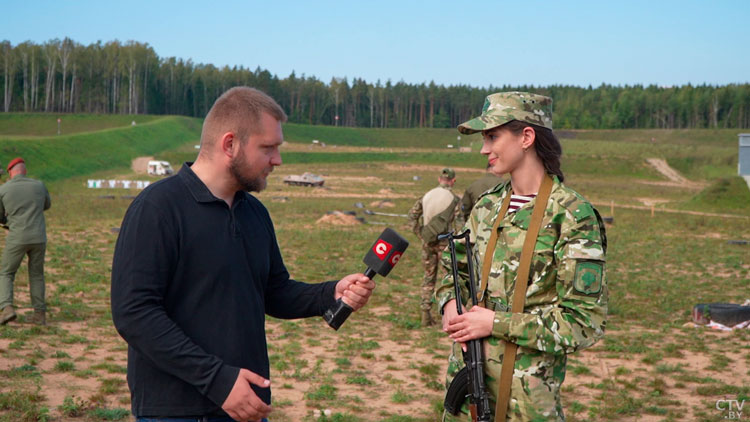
{"x":566,"y":301}
{"x":22,"y":205}
{"x":475,"y":190}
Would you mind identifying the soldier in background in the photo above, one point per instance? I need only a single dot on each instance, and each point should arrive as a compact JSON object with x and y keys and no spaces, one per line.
{"x":472,"y":193}
{"x":435,"y":213}
{"x":22,"y":205}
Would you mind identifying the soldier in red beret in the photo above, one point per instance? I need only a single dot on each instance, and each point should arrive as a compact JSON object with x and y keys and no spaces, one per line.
{"x":22,"y":204}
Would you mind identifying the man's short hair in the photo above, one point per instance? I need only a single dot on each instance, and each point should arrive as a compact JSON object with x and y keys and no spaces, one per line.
{"x":238,"y":110}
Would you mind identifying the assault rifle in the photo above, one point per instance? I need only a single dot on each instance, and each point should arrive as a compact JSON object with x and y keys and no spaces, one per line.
{"x":470,"y":379}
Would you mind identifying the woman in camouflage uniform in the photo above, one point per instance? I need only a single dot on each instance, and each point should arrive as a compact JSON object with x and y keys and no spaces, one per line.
{"x":566,"y":299}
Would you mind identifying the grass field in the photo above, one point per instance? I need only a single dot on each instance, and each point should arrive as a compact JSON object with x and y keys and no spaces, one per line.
{"x":381,"y":366}
{"x":378,"y":138}
{"x":29,"y":125}
{"x":60,"y":157}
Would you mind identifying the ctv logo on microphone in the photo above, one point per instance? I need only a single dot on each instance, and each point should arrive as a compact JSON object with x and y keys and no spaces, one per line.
{"x":382,"y":248}
{"x":394,"y":259}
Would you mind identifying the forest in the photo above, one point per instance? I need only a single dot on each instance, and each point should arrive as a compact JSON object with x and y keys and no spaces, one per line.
{"x":63,"y":76}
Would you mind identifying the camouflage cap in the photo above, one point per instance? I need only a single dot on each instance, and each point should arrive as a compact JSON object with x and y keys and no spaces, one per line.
{"x":502,"y":107}
{"x":448,"y":173}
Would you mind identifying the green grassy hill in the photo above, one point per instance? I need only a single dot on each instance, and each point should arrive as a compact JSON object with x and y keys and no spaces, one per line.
{"x":379,"y":138}
{"x":726,"y":194}
{"x":45,"y":124}
{"x":598,"y":160}
{"x":59,"y":157}
{"x":700,"y":153}
{"x":696,"y":153}
{"x":723,"y":137}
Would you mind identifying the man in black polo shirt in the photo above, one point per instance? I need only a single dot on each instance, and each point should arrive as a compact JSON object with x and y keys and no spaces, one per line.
{"x":196,"y":268}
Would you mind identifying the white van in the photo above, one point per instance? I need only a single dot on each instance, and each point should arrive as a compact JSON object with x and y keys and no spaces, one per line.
{"x":159,"y":168}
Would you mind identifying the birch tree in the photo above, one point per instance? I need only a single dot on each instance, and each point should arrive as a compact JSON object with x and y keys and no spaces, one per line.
{"x":75,"y":54}
{"x":50,"y":53}
{"x":36,"y":54}
{"x":112,"y":54}
{"x":132,"y":67}
{"x":63,"y":53}
{"x":9,"y":72}
{"x":24,"y":50}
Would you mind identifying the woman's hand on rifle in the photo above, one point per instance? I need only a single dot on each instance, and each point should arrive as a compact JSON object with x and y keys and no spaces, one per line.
{"x":473,"y":324}
{"x":449,"y":312}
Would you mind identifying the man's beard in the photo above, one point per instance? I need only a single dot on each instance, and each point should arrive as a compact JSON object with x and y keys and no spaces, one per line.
{"x":241,"y":170}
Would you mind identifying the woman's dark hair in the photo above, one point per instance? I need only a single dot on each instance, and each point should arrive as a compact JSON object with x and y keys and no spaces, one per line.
{"x":547,"y":146}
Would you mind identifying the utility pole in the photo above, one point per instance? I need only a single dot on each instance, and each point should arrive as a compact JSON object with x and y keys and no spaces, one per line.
{"x":336,"y":113}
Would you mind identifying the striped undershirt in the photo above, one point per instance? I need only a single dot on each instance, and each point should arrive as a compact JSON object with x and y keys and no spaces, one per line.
{"x":517,"y":201}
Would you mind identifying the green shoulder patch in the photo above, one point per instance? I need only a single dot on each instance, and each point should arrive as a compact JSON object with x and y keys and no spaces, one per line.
{"x":583,"y":211}
{"x":588,"y":279}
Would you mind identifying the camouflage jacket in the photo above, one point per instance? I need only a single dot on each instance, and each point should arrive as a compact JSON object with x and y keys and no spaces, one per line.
{"x":415,"y":214}
{"x":566,"y":301}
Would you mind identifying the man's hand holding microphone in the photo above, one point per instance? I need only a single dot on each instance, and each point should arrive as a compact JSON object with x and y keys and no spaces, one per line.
{"x":354,"y":290}
{"x":382,"y":256}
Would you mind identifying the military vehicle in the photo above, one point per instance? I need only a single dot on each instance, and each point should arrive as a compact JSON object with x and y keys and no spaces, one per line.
{"x":306,"y":179}
{"x":159,"y":168}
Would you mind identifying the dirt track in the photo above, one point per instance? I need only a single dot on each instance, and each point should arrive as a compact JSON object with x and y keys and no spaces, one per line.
{"x":140,"y":164}
{"x":662,"y":167}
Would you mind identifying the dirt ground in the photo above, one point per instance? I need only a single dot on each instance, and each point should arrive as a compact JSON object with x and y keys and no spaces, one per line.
{"x":140,"y":164}
{"x":673,"y":175}
{"x":99,"y":356}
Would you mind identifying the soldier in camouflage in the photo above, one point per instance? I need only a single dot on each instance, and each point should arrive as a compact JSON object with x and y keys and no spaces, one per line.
{"x":434,"y":213}
{"x":566,"y":300}
{"x":475,"y":189}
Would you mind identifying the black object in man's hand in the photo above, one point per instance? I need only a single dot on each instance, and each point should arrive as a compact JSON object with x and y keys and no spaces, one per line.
{"x":380,"y":259}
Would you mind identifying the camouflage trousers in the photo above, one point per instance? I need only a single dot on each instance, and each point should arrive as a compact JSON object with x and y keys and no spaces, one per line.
{"x":535,"y":387}
{"x":431,"y":253}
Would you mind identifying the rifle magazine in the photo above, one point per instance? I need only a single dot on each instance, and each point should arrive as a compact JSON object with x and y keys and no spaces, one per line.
{"x":457,"y":392}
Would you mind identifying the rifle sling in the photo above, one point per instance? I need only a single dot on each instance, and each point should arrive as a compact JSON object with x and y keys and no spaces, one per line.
{"x":487,"y":264}
{"x":522,"y":282}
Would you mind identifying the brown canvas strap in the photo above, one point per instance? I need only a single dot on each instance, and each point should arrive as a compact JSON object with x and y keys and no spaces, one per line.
{"x":519,"y":293}
{"x":487,"y":264}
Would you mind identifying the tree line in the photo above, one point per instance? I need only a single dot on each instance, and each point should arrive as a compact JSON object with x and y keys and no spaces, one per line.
{"x":130,"y":78}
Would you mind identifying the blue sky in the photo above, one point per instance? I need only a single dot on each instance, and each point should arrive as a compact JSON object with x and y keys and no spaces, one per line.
{"x":499,"y":42}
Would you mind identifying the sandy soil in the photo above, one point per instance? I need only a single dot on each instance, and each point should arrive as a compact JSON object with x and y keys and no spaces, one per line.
{"x":323,"y":193}
{"x":140,"y":164}
{"x":382,"y":204}
{"x":434,"y":169}
{"x":652,"y":201}
{"x":390,"y":369}
{"x":338,"y":218}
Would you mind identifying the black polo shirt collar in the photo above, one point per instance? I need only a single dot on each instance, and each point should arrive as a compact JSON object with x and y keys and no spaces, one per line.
{"x":198,"y":189}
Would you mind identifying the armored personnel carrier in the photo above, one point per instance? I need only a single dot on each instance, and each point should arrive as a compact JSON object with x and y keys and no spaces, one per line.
{"x":306,"y":179}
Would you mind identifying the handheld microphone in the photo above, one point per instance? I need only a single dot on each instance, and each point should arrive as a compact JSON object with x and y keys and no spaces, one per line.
{"x":380,"y":259}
